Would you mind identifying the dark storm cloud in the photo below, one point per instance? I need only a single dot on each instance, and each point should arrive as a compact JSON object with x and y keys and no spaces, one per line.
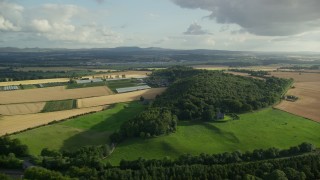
{"x":262,"y":17}
{"x":195,"y":29}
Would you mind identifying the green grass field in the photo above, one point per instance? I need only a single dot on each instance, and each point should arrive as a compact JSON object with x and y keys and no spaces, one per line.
{"x":60,"y":105}
{"x":85,"y":85}
{"x":113,"y":85}
{"x":28,"y":86}
{"x":91,"y":129}
{"x":262,"y":129}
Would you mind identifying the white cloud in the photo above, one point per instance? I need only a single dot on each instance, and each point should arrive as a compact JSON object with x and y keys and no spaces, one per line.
{"x":6,"y":25}
{"x":10,"y":16}
{"x":195,"y":29}
{"x":41,"y":25}
{"x":262,"y":17}
{"x":56,"y":22}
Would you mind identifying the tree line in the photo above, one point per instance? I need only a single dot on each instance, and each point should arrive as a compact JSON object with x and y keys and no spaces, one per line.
{"x":298,"y":162}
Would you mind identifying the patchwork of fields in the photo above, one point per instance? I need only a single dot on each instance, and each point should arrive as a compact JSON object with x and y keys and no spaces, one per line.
{"x":307,"y":89}
{"x":261,"y":129}
{"x":128,"y":74}
{"x":11,"y":124}
{"x":116,"y":98}
{"x":38,"y":81}
{"x":91,"y":129}
{"x":51,"y":94}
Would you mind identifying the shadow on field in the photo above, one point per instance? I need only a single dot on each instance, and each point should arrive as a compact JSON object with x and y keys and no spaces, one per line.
{"x":99,"y":133}
{"x":227,"y":135}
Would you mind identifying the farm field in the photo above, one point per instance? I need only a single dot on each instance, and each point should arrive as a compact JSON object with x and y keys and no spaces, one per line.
{"x":116,"y":98}
{"x":113,"y":85}
{"x":48,"y":69}
{"x":11,"y":124}
{"x":253,"y":68}
{"x":52,"y":106}
{"x":28,"y":86}
{"x":26,"y":108}
{"x":91,"y":129}
{"x":298,"y":77}
{"x":307,"y":89}
{"x":51,"y":94}
{"x":261,"y":129}
{"x":211,"y":67}
{"x":243,"y":74}
{"x":129,"y":74}
{"x":85,"y":85}
{"x":38,"y":81}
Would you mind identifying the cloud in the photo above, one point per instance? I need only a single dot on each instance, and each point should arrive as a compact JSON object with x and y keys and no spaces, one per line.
{"x":195,"y":29}
{"x":10,"y":16}
{"x":64,"y":23}
{"x":262,"y":17}
{"x":99,"y":1}
{"x":41,"y":25}
{"x":6,"y":25}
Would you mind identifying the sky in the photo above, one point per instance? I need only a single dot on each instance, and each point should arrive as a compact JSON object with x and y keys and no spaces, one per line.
{"x":254,"y":25}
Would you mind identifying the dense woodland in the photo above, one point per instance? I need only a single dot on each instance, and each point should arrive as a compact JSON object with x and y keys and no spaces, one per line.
{"x":10,"y":152}
{"x":200,"y":95}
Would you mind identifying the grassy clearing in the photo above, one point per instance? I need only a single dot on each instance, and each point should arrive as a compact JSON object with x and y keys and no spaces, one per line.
{"x":52,"y":106}
{"x":113,"y":85}
{"x":85,"y":85}
{"x":262,"y":129}
{"x":91,"y":129}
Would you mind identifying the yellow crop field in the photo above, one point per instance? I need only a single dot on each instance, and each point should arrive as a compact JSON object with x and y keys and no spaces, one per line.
{"x":123,"y":97}
{"x":38,"y":81}
{"x":252,"y":68}
{"x":11,"y":124}
{"x":26,"y":108}
{"x":50,"y":94}
{"x":307,"y":89}
{"x":129,"y":74}
{"x":25,"y":69}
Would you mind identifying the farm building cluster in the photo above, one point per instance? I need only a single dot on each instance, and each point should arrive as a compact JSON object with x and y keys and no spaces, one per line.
{"x":9,"y":88}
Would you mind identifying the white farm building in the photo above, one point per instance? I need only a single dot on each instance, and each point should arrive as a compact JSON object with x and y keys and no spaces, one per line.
{"x":84,"y":81}
{"x":130,"y":89}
